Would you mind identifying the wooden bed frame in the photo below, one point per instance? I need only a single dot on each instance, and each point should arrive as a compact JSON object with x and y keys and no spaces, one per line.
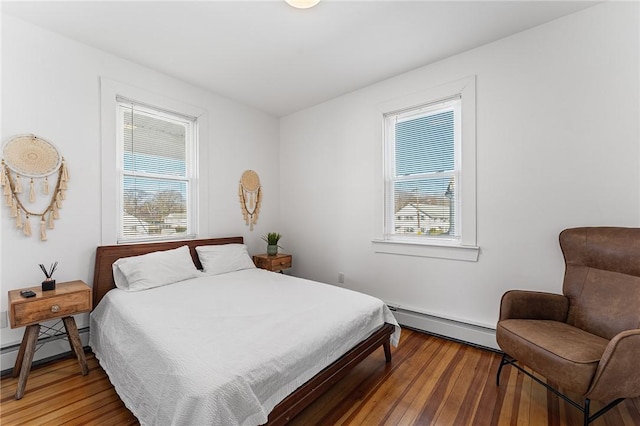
{"x":301,"y":397}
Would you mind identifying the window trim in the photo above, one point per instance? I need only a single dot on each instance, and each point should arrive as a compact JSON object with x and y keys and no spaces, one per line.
{"x":464,"y":248}
{"x":111,"y":93}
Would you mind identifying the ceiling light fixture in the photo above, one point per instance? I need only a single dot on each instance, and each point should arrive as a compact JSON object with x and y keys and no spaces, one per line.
{"x":302,"y":4}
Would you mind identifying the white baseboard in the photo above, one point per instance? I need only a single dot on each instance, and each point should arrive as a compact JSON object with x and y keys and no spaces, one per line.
{"x":49,"y":349}
{"x":474,"y":334}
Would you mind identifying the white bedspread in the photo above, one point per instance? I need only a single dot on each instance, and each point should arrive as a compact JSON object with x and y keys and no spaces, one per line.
{"x":225,"y":349}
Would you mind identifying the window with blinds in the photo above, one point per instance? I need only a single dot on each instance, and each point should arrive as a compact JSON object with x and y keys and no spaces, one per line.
{"x":423,"y":170}
{"x":156,"y":172}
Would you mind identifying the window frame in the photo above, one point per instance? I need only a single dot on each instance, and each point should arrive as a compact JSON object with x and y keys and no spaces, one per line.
{"x":465,"y":246}
{"x":391,"y":177}
{"x":190,"y":167}
{"x":111,"y":92}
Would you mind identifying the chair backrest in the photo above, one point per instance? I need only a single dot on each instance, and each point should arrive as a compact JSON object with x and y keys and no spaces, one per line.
{"x":602,"y":278}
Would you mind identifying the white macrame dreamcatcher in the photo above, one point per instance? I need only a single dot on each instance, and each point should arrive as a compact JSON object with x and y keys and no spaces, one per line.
{"x":250,"y":195}
{"x":36,"y":161}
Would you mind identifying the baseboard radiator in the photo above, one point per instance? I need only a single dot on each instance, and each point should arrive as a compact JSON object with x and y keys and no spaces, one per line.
{"x":449,"y":328}
{"x":47,"y":348}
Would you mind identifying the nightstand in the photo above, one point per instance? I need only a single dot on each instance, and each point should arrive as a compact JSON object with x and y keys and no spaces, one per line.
{"x":275,"y":263}
{"x":69,"y":298}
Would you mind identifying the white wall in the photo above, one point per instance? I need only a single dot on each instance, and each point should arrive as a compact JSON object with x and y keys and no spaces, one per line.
{"x":557,"y":146}
{"x":51,"y":87}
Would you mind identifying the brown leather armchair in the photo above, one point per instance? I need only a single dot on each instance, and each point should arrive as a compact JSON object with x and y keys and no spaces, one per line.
{"x":586,"y":340}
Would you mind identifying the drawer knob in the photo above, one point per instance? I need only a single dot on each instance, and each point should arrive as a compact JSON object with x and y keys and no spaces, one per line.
{"x":55,"y":308}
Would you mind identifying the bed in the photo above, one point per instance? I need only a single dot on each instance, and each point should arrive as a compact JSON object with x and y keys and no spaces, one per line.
{"x":242,"y":347}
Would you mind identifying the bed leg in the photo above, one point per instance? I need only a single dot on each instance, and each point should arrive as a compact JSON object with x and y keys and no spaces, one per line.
{"x":387,"y":350}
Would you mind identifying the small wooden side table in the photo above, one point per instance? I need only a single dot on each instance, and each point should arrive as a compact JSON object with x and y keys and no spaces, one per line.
{"x":68,"y":299}
{"x":275,"y":263}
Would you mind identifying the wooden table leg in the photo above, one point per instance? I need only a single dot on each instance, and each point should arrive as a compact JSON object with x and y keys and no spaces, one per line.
{"x":25,"y":354}
{"x":20,"y":357}
{"x":75,"y":343}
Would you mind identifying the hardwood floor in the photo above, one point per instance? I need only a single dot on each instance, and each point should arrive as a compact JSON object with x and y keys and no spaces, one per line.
{"x":431,"y":381}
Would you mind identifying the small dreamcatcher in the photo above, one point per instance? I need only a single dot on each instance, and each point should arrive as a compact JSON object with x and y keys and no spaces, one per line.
{"x":36,"y":161}
{"x":250,"y":195}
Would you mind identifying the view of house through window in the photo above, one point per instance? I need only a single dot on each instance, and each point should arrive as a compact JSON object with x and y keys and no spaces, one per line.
{"x":156,"y":172}
{"x":423,"y":147}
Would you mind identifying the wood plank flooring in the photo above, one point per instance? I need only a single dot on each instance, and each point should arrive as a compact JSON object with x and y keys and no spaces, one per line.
{"x":431,"y":381}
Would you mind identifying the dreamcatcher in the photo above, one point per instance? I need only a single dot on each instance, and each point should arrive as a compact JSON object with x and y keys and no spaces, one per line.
{"x":250,"y":195}
{"x":34,"y":161}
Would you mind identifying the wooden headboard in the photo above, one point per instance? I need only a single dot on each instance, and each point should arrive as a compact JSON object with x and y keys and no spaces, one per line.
{"x":106,"y":255}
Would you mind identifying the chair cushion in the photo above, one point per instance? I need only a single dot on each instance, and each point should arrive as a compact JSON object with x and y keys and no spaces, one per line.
{"x":560,"y":352}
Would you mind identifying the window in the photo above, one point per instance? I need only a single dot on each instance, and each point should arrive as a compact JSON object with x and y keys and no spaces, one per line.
{"x":428,"y":174}
{"x":120,"y":102}
{"x":156,"y":172}
{"x":423,"y":146}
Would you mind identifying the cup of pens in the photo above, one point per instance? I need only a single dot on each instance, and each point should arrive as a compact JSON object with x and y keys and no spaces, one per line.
{"x":49,"y":283}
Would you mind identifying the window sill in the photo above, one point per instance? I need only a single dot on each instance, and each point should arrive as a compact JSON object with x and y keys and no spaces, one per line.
{"x":439,"y":250}
{"x":159,"y":239}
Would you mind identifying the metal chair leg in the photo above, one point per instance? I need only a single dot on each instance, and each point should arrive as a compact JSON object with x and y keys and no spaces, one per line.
{"x":584,"y":408}
{"x":503,"y":362}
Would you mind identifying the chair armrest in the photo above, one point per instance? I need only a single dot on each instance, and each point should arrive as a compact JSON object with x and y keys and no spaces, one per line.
{"x":521,"y":304}
{"x":618,"y":375}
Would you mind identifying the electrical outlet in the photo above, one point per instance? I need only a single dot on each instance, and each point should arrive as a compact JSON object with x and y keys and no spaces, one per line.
{"x":341,"y":277}
{"x":4,"y":320}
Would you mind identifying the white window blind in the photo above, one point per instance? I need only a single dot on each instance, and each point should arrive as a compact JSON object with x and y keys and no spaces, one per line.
{"x":156,"y":172}
{"x":423,"y":170}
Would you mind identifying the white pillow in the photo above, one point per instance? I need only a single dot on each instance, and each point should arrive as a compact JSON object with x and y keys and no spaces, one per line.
{"x":224,"y":258}
{"x":154,"y":269}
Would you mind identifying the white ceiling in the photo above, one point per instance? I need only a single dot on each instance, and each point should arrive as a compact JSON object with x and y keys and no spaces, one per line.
{"x":279,"y":59}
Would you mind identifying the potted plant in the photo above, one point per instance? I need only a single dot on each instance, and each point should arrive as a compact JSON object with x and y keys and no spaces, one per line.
{"x":272,"y":239}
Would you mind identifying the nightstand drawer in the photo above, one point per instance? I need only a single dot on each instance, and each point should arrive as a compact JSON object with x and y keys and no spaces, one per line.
{"x":273,"y":263}
{"x":66,"y":300}
{"x":276,"y":265}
